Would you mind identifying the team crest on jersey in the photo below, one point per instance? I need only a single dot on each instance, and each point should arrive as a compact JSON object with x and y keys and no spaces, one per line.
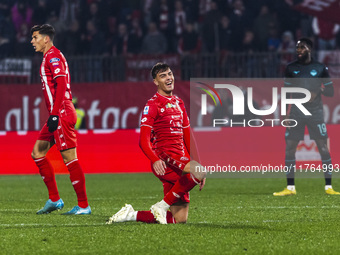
{"x":168,"y":105}
{"x":54,"y":60}
{"x":146,"y":110}
{"x":313,"y":72}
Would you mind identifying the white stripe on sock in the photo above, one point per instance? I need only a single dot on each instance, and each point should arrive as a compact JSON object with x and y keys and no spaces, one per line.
{"x":74,"y":160}
{"x":39,"y":159}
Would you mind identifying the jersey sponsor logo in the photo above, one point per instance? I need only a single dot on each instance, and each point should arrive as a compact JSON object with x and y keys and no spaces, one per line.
{"x":313,"y":72}
{"x":144,"y":119}
{"x":162,"y":110}
{"x":184,"y":158}
{"x":146,"y":110}
{"x":55,"y":64}
{"x":57,"y":70}
{"x":54,"y":60}
{"x":296,"y":72}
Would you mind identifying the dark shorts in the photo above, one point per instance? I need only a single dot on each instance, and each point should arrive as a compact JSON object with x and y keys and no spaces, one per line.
{"x":175,"y":165}
{"x":316,"y":129}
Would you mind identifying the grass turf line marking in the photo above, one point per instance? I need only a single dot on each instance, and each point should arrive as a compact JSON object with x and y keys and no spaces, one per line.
{"x":50,"y":225}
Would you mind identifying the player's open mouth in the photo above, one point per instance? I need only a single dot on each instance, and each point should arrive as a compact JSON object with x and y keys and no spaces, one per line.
{"x":168,"y":83}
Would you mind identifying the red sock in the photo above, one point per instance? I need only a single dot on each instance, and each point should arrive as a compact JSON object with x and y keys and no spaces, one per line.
{"x":147,"y":217}
{"x":77,"y":178}
{"x":47,"y":173}
{"x":186,"y":183}
{"x":169,"y":218}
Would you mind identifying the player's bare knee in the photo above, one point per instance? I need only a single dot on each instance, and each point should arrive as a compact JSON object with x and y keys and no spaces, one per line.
{"x":36,"y":154}
{"x":196,"y":169}
{"x":181,"y":221}
{"x":33,"y":155}
{"x":181,"y":218}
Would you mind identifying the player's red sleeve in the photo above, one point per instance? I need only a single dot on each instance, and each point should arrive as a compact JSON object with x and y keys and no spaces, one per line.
{"x":186,"y":122}
{"x":190,"y":143}
{"x":186,"y":137}
{"x":60,"y":94}
{"x":145,"y":144}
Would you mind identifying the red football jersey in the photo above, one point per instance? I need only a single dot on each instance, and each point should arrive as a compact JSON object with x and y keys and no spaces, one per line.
{"x":167,"y":117}
{"x":53,"y":65}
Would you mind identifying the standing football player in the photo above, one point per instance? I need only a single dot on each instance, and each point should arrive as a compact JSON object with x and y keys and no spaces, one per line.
{"x":165,"y":140}
{"x":59,"y":128}
{"x":307,"y":73}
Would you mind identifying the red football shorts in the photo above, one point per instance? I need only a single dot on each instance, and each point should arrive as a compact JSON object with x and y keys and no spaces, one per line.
{"x":175,"y":164}
{"x":65,"y":136}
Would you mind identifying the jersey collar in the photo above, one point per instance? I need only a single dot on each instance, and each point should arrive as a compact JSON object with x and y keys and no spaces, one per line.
{"x":165,"y":97}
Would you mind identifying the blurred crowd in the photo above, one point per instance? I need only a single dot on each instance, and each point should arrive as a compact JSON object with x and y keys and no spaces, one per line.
{"x":115,"y":27}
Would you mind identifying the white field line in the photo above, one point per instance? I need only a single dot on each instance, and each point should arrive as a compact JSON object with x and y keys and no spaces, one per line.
{"x":206,"y":207}
{"x":275,"y":207}
{"x":49,"y":225}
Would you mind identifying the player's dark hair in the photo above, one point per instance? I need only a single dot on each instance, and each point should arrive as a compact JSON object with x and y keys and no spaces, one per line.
{"x":159,"y":67}
{"x":307,"y":41}
{"x":45,"y":29}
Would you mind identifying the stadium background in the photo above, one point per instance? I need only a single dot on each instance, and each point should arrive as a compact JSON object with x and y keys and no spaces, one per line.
{"x":110,"y":47}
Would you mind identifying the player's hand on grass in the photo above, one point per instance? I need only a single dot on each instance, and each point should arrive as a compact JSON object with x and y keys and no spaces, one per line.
{"x":52,"y":123}
{"x":159,"y":167}
{"x":202,"y":183}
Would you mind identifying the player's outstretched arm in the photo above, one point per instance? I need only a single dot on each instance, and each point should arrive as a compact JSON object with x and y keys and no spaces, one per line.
{"x":145,"y":144}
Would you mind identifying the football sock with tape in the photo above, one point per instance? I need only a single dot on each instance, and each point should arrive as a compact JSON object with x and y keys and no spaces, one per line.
{"x":326,"y":167}
{"x":184,"y":184}
{"x":290,"y":165}
{"x":77,"y":178}
{"x":291,"y":187}
{"x":147,"y":217}
{"x":47,"y":173}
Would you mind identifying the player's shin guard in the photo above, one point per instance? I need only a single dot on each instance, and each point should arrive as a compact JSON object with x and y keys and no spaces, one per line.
{"x":77,"y":178}
{"x":290,"y":165}
{"x":327,"y":168}
{"x":47,"y":173}
{"x":186,"y":183}
{"x":148,"y":217}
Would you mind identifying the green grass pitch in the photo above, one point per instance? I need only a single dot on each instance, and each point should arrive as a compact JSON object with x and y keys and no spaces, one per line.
{"x":230,"y":216}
